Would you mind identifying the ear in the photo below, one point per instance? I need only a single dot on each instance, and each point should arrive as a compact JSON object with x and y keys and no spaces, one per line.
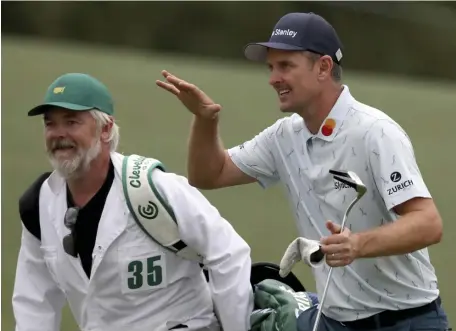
{"x":326,"y":65}
{"x":106,"y":130}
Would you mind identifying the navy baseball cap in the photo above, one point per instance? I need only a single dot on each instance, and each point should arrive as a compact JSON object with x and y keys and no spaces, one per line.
{"x":299,"y":32}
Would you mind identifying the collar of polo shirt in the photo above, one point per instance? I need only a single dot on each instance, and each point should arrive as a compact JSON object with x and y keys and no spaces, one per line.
{"x":333,"y":122}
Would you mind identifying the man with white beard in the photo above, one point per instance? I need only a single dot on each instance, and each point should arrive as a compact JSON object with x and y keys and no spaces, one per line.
{"x":83,"y":243}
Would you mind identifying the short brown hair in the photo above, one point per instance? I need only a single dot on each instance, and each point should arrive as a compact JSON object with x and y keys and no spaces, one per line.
{"x":336,"y":71}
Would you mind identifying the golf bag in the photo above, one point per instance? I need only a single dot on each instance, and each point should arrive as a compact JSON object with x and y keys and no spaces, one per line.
{"x":278,"y":301}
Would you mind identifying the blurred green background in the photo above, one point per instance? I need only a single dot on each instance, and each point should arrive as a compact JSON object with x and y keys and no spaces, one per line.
{"x":399,"y":58}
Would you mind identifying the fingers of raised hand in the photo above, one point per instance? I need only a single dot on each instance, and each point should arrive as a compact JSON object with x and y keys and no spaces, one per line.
{"x":167,"y":86}
{"x":181,"y":84}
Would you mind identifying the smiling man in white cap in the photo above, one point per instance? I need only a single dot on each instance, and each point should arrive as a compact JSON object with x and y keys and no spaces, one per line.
{"x":383,"y":278}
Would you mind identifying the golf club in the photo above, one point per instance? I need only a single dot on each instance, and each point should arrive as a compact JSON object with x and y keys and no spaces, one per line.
{"x":352,"y":180}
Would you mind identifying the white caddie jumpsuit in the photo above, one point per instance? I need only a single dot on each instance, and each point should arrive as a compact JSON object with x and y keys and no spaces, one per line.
{"x":135,"y":284}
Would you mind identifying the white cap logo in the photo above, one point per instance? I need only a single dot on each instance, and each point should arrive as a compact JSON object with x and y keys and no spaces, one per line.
{"x":338,"y":54}
{"x":288,"y":32}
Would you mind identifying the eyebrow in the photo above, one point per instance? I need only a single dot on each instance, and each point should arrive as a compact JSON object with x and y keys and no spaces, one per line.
{"x":66,"y":116}
{"x":281,"y":62}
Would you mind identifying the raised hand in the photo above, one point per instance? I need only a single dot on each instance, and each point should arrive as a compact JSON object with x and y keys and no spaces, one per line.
{"x":195,"y":100}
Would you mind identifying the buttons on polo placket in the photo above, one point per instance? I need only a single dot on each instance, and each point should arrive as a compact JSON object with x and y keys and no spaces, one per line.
{"x":309,"y":144}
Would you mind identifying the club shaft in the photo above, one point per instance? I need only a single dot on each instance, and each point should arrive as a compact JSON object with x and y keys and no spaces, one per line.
{"x":328,"y":280}
{"x":320,"y":307}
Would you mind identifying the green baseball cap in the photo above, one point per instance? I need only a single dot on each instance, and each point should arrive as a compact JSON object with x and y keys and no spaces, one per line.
{"x":78,"y":92}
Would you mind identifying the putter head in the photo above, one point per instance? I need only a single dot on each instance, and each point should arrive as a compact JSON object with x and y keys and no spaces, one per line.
{"x":351,"y":179}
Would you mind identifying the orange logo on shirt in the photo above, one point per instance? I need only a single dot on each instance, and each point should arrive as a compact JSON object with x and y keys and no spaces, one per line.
{"x":328,"y":127}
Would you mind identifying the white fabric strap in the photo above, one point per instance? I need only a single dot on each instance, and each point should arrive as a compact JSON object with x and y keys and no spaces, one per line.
{"x":150,"y":211}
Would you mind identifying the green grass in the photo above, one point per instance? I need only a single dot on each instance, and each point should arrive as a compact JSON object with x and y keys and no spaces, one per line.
{"x":153,"y":123}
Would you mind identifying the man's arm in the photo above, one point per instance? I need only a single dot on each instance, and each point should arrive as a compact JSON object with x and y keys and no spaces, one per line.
{"x":255,"y":157}
{"x":37,"y":301}
{"x":226,"y":254}
{"x":416,"y":220}
{"x":209,"y":165}
{"x":418,"y":226}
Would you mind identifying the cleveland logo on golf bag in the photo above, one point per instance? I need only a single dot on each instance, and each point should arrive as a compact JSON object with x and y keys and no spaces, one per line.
{"x":150,"y":211}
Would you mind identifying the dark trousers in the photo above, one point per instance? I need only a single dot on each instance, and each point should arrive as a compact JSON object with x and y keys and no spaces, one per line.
{"x":431,"y":317}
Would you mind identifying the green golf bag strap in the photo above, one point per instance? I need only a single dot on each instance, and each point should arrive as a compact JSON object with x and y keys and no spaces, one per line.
{"x":150,"y":211}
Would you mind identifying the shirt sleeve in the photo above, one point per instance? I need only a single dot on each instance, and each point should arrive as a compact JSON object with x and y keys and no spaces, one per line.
{"x":255,"y":157}
{"x":393,"y":163}
{"x":37,"y":300}
{"x":226,"y":254}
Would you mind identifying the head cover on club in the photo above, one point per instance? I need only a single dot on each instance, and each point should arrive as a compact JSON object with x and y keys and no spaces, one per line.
{"x":351,"y":179}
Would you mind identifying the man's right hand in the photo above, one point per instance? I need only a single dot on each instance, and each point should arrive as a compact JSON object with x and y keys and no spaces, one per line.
{"x":190,"y":95}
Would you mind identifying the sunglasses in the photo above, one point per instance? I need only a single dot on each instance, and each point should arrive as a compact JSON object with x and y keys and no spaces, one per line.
{"x":69,"y":241}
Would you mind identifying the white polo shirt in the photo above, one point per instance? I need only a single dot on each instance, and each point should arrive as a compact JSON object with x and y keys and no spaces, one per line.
{"x":365,"y":140}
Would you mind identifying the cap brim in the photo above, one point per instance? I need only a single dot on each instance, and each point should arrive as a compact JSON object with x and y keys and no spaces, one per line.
{"x":41,"y":109}
{"x":258,"y":51}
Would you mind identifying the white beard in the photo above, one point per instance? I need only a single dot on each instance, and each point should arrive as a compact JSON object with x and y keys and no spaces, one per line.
{"x":71,"y":168}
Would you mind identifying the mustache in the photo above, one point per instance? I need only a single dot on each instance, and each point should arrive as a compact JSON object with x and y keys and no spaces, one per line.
{"x":61,"y":143}
{"x":278,"y":87}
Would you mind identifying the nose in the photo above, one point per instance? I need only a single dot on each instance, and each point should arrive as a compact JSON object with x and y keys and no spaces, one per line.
{"x":274,"y":78}
{"x":55,"y":131}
